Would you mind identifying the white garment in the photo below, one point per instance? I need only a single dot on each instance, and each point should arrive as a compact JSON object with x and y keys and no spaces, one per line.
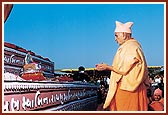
{"x":157,"y":80}
{"x":108,"y":81}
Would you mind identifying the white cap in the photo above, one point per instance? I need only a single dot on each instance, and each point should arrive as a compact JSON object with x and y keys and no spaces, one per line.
{"x":120,"y":27}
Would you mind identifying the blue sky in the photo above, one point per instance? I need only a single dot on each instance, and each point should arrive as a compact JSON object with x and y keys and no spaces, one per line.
{"x":73,"y":35}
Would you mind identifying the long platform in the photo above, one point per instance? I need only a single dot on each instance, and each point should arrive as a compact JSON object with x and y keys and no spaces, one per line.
{"x":49,"y":96}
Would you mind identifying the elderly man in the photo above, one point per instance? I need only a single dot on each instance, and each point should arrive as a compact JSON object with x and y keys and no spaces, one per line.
{"x":158,"y":101}
{"x":129,"y":74}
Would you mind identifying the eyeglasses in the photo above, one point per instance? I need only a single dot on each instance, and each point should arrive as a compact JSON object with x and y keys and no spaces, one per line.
{"x":116,"y":35}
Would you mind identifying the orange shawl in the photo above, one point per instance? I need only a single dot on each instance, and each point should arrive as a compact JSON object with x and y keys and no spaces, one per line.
{"x":126,"y":59}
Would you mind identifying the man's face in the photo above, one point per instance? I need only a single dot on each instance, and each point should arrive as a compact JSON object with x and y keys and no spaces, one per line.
{"x":157,"y":97}
{"x":119,"y":38}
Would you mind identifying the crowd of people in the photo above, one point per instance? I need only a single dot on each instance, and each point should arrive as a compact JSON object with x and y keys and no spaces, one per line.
{"x":129,"y":76}
{"x":155,"y":93}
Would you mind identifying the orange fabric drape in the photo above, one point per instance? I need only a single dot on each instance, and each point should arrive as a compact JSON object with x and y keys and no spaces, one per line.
{"x":132,"y":85}
{"x":130,"y":101}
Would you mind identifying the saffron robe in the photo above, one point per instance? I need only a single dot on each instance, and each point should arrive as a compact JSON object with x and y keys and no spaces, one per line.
{"x":131,"y":86}
{"x":157,"y":105}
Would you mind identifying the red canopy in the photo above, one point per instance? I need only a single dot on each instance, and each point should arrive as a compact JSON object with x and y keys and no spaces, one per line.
{"x":7,"y":10}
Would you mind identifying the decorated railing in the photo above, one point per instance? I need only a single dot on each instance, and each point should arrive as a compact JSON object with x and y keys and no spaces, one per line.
{"x":14,"y":60}
{"x":49,"y":96}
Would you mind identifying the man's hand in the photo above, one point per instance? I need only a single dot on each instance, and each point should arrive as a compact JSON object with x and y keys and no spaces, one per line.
{"x":101,"y":67}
